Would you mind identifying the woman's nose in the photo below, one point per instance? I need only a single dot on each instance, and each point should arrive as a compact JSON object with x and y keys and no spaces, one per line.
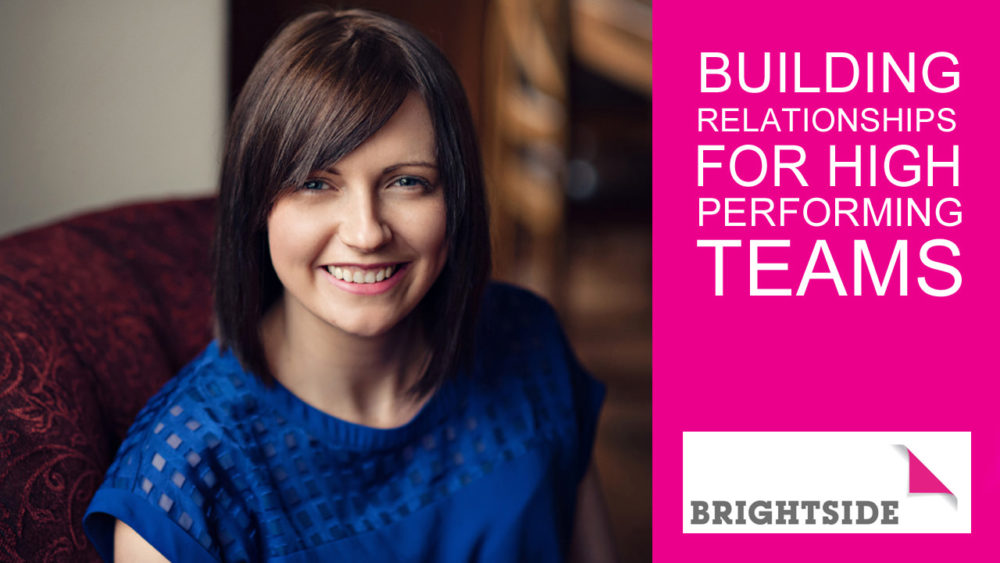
{"x":363,"y":229}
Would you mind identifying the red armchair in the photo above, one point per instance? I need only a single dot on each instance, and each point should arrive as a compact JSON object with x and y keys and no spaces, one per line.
{"x":96,"y":313}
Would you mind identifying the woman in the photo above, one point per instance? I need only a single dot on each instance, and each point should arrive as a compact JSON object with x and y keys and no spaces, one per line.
{"x":369,"y":397}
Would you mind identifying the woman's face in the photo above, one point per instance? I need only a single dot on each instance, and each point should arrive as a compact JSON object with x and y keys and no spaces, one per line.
{"x":359,"y":245}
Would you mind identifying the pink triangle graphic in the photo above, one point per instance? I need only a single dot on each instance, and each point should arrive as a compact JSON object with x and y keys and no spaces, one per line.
{"x":922,"y":480}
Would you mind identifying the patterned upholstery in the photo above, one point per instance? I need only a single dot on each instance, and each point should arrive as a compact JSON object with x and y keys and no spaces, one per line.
{"x":96,"y":313}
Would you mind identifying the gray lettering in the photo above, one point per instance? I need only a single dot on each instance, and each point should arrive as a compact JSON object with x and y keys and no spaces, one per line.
{"x":862,"y":505}
{"x":788,"y":512}
{"x":700,"y":512}
{"x":740,"y":507}
{"x":766,"y":512}
{"x":829,"y":508}
{"x":889,"y":508}
{"x":847,"y":511}
{"x":755,"y":511}
{"x":722,"y":510}
{"x":810,"y":506}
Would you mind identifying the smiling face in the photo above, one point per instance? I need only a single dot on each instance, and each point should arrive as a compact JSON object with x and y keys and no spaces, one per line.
{"x":359,"y":245}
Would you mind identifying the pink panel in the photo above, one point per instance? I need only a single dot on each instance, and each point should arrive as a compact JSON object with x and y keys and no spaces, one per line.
{"x":822,"y":361}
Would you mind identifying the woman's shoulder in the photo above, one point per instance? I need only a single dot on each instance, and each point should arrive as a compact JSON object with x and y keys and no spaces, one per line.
{"x":522,"y":346}
{"x":198,"y":419}
{"x":533,"y":379}
{"x":505,"y":295}
{"x":211,"y":390}
{"x":200,"y":413}
{"x":179,"y":454}
{"x":510,"y":313}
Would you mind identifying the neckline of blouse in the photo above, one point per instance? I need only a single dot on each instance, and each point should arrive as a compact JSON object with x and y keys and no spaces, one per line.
{"x":339,"y":433}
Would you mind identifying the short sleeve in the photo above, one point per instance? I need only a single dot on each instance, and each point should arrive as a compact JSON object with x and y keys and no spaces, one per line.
{"x":151,"y":488}
{"x":165,"y":484}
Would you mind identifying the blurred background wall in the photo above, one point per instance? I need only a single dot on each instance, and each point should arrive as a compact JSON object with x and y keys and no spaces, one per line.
{"x":103,"y":101}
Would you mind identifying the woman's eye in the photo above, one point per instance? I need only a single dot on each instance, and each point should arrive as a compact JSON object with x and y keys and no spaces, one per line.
{"x":411,"y":182}
{"x":314,"y":185}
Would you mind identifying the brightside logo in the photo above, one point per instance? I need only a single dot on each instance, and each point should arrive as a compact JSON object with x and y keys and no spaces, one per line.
{"x":827,"y":482}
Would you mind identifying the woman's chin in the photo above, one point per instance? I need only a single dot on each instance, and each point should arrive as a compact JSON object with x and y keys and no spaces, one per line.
{"x":369,"y":328}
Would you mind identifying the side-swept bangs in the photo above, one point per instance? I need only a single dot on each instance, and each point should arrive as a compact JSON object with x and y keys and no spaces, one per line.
{"x":327,"y":82}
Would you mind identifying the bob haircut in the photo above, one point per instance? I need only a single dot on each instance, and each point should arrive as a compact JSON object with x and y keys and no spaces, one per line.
{"x":324,"y":85}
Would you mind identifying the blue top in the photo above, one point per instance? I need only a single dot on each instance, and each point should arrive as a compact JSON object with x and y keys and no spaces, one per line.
{"x":219,"y":466}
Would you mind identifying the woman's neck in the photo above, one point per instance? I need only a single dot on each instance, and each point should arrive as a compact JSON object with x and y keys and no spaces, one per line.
{"x":364,"y":380}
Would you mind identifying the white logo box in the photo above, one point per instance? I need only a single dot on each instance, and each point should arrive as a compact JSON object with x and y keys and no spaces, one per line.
{"x":807,"y":467}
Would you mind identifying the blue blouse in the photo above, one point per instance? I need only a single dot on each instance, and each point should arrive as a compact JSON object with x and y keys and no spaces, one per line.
{"x":219,"y":466}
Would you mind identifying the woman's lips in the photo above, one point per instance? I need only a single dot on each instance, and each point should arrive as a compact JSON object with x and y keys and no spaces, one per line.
{"x":362,"y":274}
{"x":382,"y":277}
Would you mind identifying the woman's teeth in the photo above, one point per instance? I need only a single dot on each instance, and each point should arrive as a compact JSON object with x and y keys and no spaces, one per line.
{"x":358,"y":275}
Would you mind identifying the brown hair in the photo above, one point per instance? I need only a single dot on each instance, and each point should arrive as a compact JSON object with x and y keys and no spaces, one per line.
{"x":325,"y":84}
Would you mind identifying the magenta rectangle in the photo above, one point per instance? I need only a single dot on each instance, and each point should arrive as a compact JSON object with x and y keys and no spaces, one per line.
{"x":823,"y":361}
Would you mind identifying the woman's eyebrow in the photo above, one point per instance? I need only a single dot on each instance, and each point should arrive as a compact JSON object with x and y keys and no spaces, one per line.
{"x":422,"y":163}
